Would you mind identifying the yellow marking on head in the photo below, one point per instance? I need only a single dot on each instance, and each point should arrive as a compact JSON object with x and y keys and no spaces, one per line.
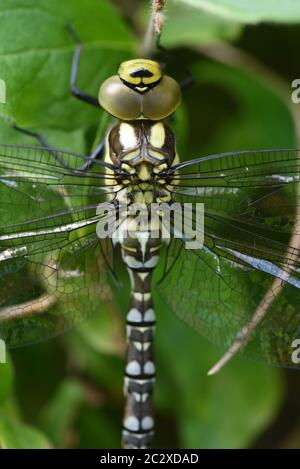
{"x":127,"y":135}
{"x":140,"y":73}
{"x":158,"y":135}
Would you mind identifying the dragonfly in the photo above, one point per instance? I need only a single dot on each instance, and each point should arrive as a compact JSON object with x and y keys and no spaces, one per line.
{"x":239,"y":287}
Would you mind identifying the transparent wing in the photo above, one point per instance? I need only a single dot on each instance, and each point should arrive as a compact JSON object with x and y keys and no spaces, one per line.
{"x":53,"y":270}
{"x":240,"y":169}
{"x":251,"y":236}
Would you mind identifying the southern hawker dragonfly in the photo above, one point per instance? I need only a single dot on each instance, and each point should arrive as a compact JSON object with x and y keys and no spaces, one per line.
{"x":250,"y":252}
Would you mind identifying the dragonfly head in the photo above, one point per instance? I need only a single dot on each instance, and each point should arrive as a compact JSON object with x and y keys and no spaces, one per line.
{"x":140,"y":91}
{"x":140,"y":74}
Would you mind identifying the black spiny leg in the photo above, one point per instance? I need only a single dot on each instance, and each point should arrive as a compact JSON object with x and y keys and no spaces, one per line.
{"x":43,"y":142}
{"x":93,"y":156}
{"x":189,"y":79}
{"x":74,"y":72}
{"x":54,"y":152}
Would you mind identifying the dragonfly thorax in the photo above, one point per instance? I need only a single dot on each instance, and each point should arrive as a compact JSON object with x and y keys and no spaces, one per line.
{"x":142,"y":150}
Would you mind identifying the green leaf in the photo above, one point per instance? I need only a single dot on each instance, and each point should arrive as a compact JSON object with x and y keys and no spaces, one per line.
{"x":102,"y":332}
{"x":228,"y":410}
{"x":251,"y":11}
{"x":245,"y":392}
{"x":97,"y":355}
{"x":36,"y":67}
{"x":233,"y":110}
{"x":60,"y":411}
{"x":6,"y":379}
{"x":187,"y":25}
{"x":99,"y":428}
{"x":15,"y":435}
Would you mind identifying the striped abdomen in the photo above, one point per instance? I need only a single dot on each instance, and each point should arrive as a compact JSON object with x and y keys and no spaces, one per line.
{"x":140,"y":256}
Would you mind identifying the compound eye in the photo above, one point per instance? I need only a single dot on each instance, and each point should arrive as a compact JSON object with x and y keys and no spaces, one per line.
{"x":119,"y":100}
{"x":162,"y":101}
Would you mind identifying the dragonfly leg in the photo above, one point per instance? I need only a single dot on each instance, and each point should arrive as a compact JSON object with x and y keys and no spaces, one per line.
{"x":93,"y":156}
{"x":38,"y":136}
{"x":74,"y":72}
{"x":189,"y":78}
{"x":43,"y":142}
{"x":54,"y":152}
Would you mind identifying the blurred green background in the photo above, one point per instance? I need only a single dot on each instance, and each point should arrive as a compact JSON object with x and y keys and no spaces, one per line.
{"x":67,"y":392}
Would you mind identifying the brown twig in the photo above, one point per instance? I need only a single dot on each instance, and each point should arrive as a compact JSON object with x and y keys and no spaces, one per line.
{"x":29,"y":308}
{"x":158,"y":16}
{"x":155,"y":25}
